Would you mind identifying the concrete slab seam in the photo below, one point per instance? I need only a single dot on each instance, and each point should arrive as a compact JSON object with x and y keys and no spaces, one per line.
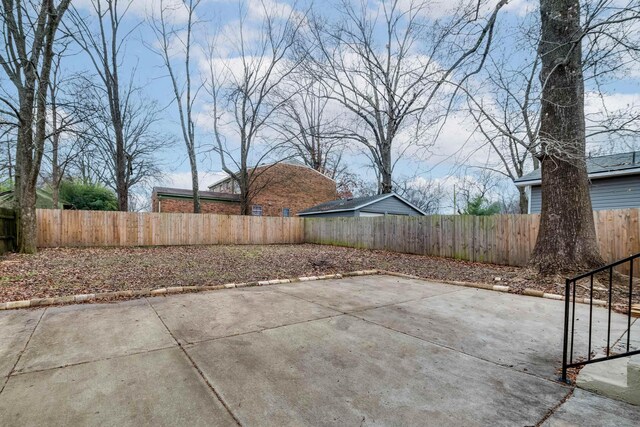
{"x":504,"y":366}
{"x":196,"y":367}
{"x":555,"y":408}
{"x":86,"y":362}
{"x":23,"y":350}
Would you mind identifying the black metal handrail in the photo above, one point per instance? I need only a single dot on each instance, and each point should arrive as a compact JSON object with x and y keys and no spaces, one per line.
{"x":570,"y":317}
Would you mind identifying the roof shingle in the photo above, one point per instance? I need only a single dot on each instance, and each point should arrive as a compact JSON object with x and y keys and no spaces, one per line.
{"x":597,"y":165}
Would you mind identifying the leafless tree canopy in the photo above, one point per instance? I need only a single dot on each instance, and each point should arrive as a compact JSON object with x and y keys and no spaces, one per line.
{"x":103,"y":39}
{"x":309,"y":125}
{"x":387,"y":66}
{"x":185,"y":90}
{"x":142,"y":141}
{"x":243,"y":88}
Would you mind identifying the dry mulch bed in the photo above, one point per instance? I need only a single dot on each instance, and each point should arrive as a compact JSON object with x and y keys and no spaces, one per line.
{"x":69,"y":271}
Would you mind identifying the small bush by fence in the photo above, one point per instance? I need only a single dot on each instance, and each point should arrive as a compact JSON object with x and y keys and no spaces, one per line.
{"x":498,"y":239}
{"x":99,"y":228}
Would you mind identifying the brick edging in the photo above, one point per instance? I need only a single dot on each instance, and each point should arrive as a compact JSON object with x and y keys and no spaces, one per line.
{"x":499,"y":288}
{"x":69,"y":299}
{"x":41,"y":302}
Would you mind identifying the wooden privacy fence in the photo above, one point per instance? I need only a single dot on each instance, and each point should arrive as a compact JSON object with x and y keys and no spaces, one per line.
{"x":99,"y":228}
{"x":8,"y":230}
{"x":498,"y":239}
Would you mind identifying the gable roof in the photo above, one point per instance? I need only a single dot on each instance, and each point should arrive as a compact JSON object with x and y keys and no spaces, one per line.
{"x":597,"y":167}
{"x":184,"y":192}
{"x":44,"y":200}
{"x":265,"y":165}
{"x":357,"y":203}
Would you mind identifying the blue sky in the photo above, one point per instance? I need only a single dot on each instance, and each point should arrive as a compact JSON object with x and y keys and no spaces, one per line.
{"x":456,"y":140}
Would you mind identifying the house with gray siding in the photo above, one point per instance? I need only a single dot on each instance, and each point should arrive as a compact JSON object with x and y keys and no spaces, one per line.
{"x":614,"y":181}
{"x":379,"y":205}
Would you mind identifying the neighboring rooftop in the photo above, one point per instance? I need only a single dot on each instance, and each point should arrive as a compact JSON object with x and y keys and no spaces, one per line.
{"x":353,"y":204}
{"x":597,"y":167}
{"x":44,"y":200}
{"x":183,"y":192}
{"x":290,"y":162}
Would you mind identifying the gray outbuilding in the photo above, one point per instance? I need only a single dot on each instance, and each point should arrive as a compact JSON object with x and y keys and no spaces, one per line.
{"x":614,"y":180}
{"x":379,"y":205}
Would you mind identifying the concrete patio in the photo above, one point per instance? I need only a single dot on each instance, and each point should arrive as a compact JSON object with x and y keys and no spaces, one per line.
{"x":374,"y":350}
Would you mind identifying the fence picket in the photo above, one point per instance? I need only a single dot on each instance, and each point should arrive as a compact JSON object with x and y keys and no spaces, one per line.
{"x":501,"y":239}
{"x":95,"y":228}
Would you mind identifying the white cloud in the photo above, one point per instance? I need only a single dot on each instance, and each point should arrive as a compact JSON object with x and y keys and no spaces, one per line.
{"x":436,"y":9}
{"x":268,"y":8}
{"x":595,"y":101}
{"x":142,"y":8}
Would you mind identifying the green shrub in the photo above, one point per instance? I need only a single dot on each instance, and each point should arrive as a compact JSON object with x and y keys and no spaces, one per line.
{"x":481,"y":207}
{"x":90,"y":197}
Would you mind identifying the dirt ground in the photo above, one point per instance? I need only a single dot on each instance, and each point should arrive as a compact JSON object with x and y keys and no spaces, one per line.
{"x":69,"y":271}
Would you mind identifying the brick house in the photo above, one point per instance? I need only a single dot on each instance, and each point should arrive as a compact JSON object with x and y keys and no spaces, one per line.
{"x":283,"y":189}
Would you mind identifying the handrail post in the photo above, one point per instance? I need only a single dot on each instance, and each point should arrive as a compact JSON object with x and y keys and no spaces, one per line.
{"x":566,"y":330}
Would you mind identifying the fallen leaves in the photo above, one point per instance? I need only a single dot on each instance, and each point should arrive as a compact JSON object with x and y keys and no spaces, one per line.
{"x":69,"y":271}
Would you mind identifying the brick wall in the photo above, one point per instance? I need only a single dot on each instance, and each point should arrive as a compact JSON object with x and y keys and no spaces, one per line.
{"x":276,"y":187}
{"x":293,"y":187}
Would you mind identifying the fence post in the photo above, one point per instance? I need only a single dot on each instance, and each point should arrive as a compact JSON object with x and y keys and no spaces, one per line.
{"x":565,"y":341}
{"x":8,"y":228}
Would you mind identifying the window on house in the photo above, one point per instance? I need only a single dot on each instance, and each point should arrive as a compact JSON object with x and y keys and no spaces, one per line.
{"x":286,"y":212}
{"x":256,"y":210}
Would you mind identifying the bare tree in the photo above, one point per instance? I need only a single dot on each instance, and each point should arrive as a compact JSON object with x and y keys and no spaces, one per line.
{"x":477,"y":191}
{"x":29,"y":31}
{"x":66,"y":113}
{"x":142,"y":142}
{"x":184,"y":90}
{"x":8,"y":133}
{"x":509,"y":123}
{"x":567,"y":238}
{"x":243,"y":88}
{"x":509,"y":117}
{"x":105,"y":47}
{"x":309,"y":127}
{"x":7,"y":158}
{"x":426,"y":194}
{"x":372,"y":63}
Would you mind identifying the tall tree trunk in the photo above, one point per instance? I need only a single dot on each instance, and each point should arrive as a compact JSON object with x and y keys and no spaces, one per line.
{"x":567,"y":238}
{"x":243,"y":185}
{"x":194,"y":181}
{"x":55,"y":174}
{"x":386,"y":182}
{"x":25,"y":200}
{"x":55,"y":148}
{"x":523,"y":201}
{"x":122,"y":190}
